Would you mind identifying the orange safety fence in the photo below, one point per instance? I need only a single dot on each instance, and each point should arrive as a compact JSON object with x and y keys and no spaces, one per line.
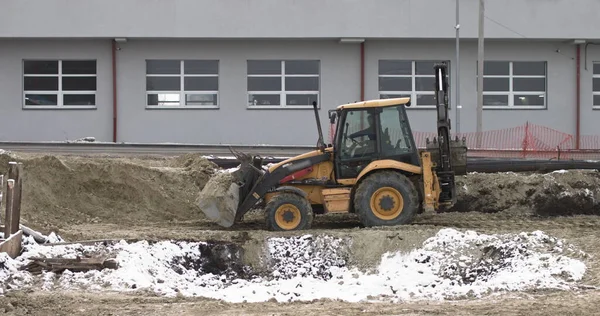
{"x":526,"y":141}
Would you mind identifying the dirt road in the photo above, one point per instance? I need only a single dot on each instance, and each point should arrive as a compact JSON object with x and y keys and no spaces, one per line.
{"x":563,"y":303}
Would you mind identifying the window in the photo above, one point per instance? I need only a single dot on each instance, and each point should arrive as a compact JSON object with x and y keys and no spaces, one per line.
{"x":596,"y":85}
{"x":59,"y":83}
{"x":182,"y":83}
{"x":514,"y":84}
{"x":283,"y":84}
{"x":405,"y":78}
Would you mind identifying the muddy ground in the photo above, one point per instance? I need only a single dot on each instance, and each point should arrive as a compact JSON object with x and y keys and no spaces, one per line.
{"x":154,"y":198}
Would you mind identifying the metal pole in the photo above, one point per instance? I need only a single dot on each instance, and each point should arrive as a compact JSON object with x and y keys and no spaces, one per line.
{"x":480,"y":74}
{"x":457,"y":69}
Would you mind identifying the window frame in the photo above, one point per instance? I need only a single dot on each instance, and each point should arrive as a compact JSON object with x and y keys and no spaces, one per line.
{"x":60,"y":93}
{"x":182,"y":92}
{"x":511,"y":93}
{"x":283,"y":93}
{"x":414,"y":93}
{"x":595,"y":76}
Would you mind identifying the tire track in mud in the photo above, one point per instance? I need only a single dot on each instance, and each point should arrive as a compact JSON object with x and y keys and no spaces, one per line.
{"x":501,"y":221}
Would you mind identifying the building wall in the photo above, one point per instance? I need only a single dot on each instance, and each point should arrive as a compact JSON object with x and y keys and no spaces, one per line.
{"x":516,"y":19}
{"x":590,"y":114}
{"x":561,"y":82}
{"x":17,"y":123}
{"x":233,"y":123}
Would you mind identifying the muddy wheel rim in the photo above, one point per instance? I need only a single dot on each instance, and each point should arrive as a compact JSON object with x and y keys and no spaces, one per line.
{"x":287,"y":216}
{"x":387,"y":203}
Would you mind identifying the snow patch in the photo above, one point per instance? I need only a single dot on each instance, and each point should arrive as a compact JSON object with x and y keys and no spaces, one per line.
{"x":449,"y":265}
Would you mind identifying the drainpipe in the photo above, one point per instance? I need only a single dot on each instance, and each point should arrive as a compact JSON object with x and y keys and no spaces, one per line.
{"x":114,"y":88}
{"x":362,"y":82}
{"x":577,"y":97}
{"x":362,"y":71}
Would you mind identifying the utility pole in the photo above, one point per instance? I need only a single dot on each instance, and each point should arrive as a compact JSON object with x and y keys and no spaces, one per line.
{"x":480,"y":74}
{"x":457,"y":69}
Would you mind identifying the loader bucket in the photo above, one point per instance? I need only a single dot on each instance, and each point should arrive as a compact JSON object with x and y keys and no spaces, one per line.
{"x":219,"y":207}
{"x":220,"y":198}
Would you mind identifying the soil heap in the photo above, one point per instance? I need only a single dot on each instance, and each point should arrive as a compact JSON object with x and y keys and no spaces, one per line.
{"x":60,"y":191}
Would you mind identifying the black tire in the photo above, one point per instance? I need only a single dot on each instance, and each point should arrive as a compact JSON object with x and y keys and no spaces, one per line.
{"x":396,"y":183}
{"x":302,"y":206}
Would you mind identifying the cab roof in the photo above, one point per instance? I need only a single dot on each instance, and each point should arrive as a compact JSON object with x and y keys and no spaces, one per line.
{"x":375,"y":103}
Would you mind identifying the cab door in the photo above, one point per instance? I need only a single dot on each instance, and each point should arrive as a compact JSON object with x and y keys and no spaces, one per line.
{"x":357,"y":141}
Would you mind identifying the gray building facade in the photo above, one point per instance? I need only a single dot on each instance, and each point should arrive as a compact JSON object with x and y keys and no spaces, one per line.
{"x":246,"y":71}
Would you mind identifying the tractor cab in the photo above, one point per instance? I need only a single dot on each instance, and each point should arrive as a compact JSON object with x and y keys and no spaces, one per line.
{"x":370,"y":131}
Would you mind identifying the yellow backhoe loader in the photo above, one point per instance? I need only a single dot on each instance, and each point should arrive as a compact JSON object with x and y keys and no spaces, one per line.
{"x":373,"y":169}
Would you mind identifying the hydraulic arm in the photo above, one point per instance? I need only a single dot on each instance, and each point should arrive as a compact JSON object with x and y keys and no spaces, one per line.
{"x":444,"y":167}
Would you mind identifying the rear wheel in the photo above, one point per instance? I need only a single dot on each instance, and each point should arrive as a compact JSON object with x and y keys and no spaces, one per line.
{"x":386,"y":198}
{"x":288,"y":211}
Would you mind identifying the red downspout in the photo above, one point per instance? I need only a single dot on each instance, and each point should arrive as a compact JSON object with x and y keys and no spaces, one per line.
{"x":362,"y":82}
{"x":114,"y":86}
{"x":362,"y":71}
{"x":577,"y":99}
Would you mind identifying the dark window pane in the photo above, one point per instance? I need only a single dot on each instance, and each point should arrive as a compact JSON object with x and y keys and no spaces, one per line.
{"x":264,"y":84}
{"x":597,"y":69}
{"x":529,"y":100}
{"x":300,"y":99}
{"x":40,"y":67}
{"x":201,"y":99}
{"x":395,"y":67}
{"x":596,"y":85}
{"x":264,"y":99}
{"x":79,"y":83}
{"x":496,"y":84}
{"x":529,"y":68}
{"x":201,"y":67}
{"x":596,"y":100}
{"x":529,"y":84}
{"x":163,"y":83}
{"x":496,"y":68}
{"x":79,"y":99}
{"x":395,"y":84}
{"x":87,"y":67}
{"x":41,"y":99}
{"x":425,"y":83}
{"x":201,"y":83}
{"x":264,"y":67}
{"x":495,"y":100}
{"x":425,"y":99}
{"x":393,"y":96}
{"x":302,"y":67}
{"x":302,"y":83}
{"x":171,"y":99}
{"x":424,"y":68}
{"x":163,"y":67}
{"x":41,"y":83}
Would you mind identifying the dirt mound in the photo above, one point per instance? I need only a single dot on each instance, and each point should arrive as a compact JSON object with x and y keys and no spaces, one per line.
{"x":200,"y":168}
{"x":61,"y":191}
{"x":556,"y":193}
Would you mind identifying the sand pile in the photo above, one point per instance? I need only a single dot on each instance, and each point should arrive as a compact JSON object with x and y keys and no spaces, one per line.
{"x":556,"y":193}
{"x":61,"y":191}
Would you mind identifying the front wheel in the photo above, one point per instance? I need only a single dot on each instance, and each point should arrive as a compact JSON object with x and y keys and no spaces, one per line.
{"x":386,"y":198}
{"x":288,"y":211}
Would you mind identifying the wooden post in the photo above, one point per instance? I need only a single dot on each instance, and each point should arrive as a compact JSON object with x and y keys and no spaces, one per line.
{"x":9,"y":203}
{"x":16,"y":209}
{"x":1,"y":193}
{"x":12,"y":233}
